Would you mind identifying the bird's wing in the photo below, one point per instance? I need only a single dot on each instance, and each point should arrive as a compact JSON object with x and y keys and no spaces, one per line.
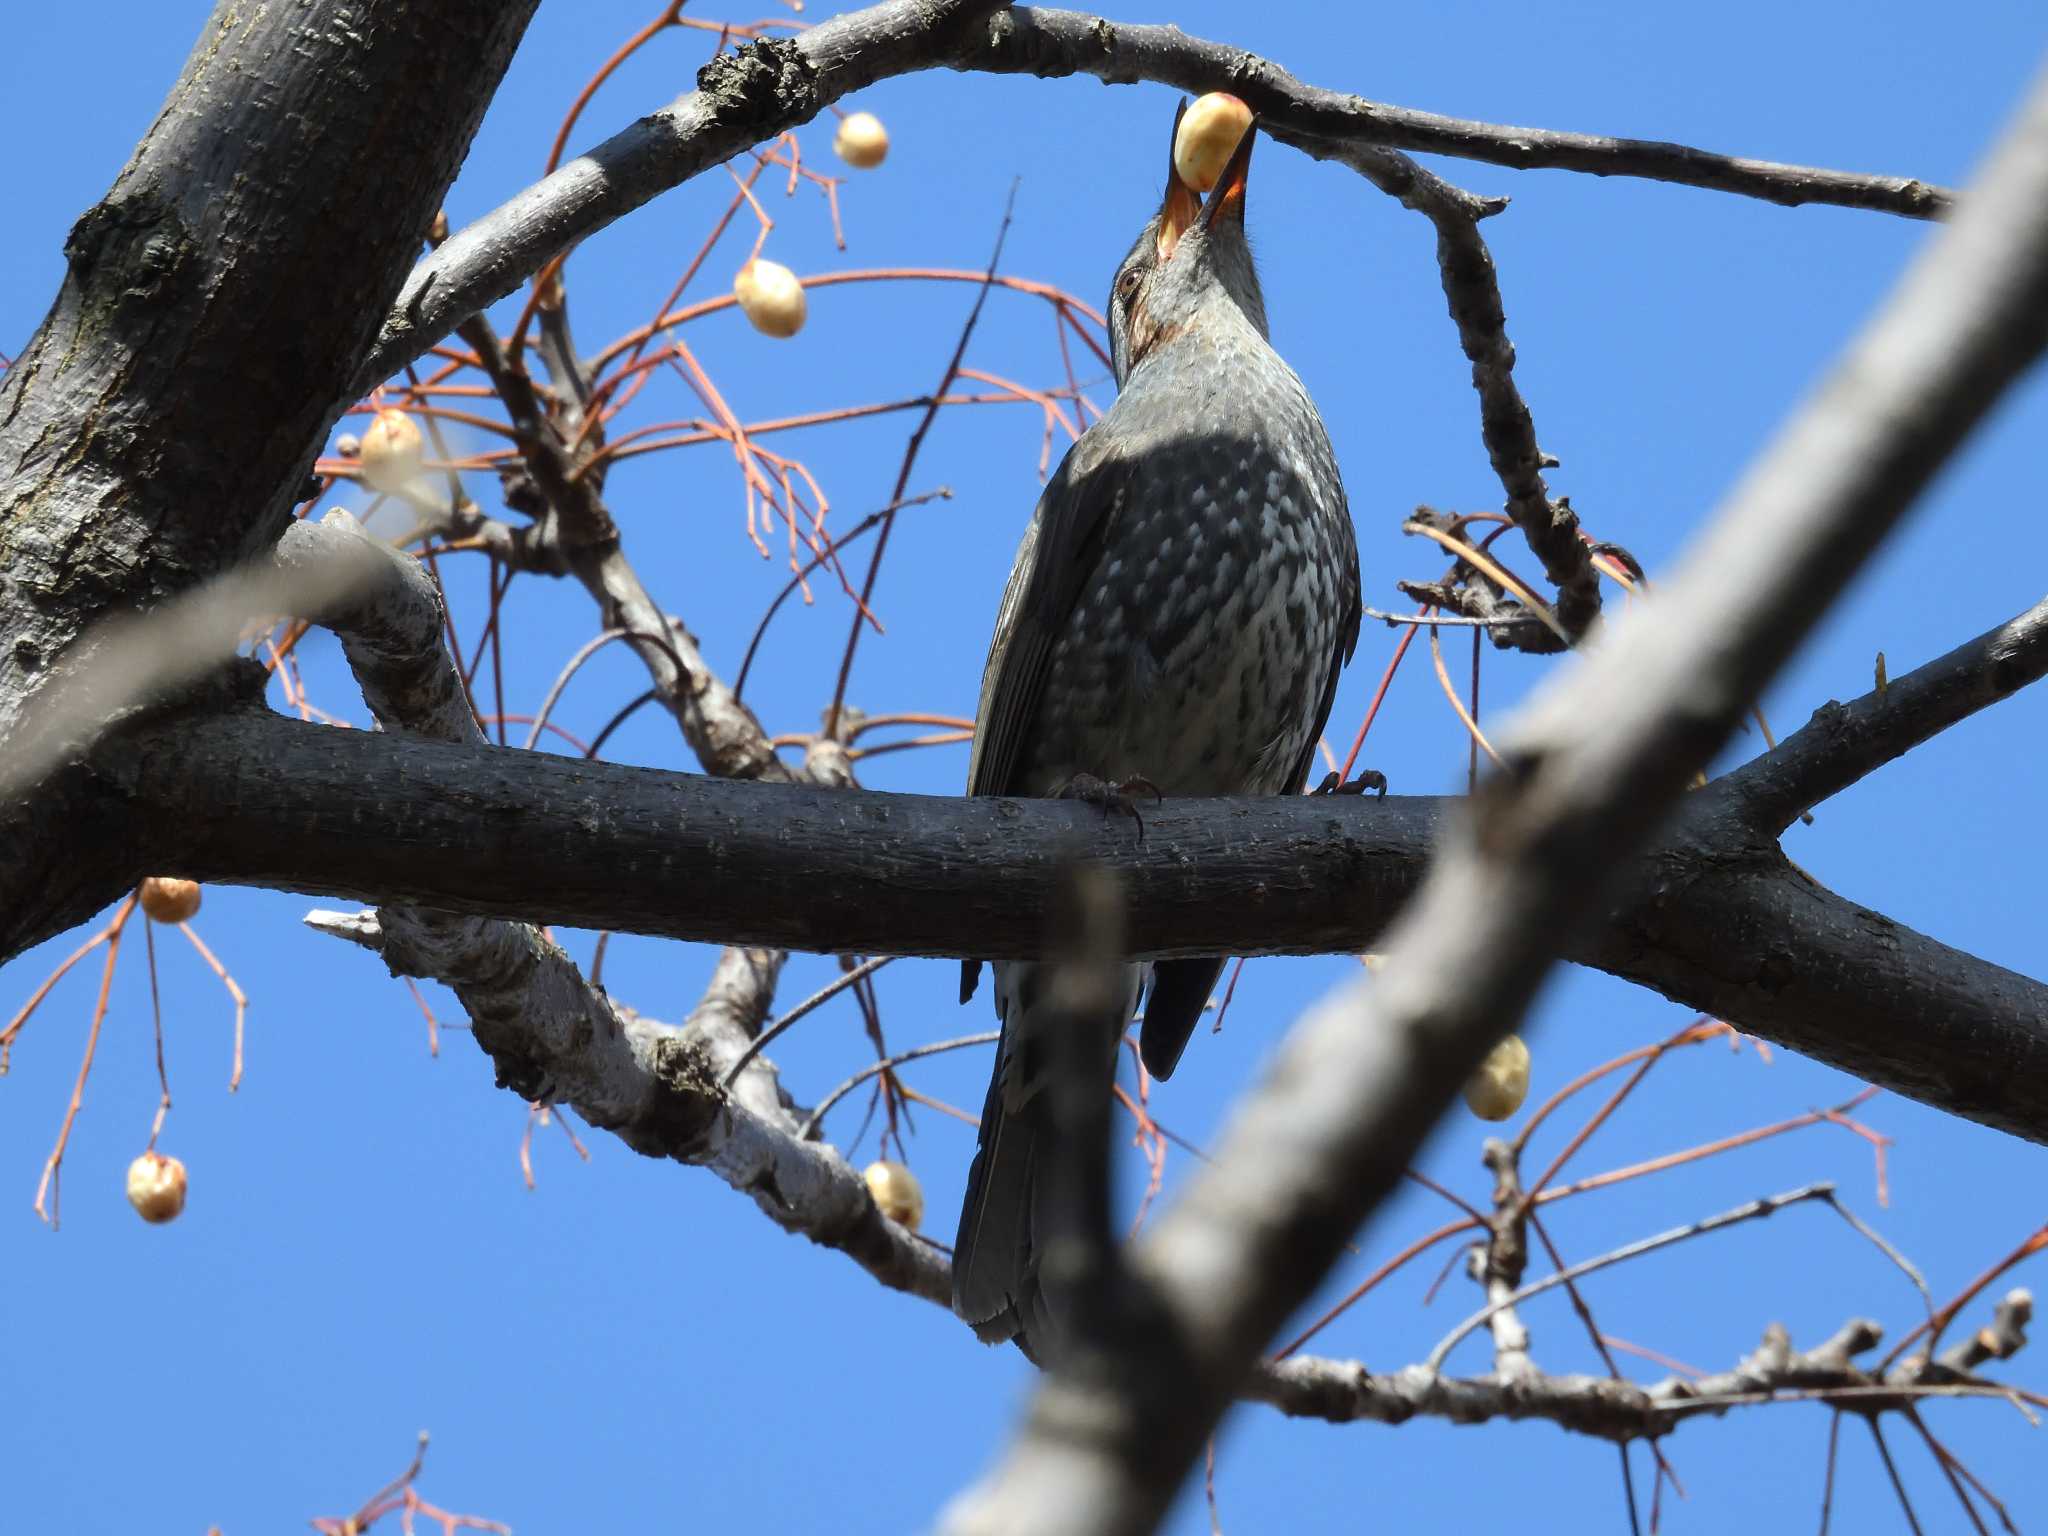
{"x":1059,"y":553}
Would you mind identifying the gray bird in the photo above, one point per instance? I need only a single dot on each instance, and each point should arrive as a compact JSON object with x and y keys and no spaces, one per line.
{"x":1178,"y":613}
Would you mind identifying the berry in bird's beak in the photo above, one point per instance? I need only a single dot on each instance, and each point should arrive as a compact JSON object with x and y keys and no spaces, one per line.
{"x":1212,"y":149}
{"x":1207,"y":133}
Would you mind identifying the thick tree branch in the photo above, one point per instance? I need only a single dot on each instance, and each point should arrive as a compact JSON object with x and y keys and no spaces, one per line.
{"x":1359,"y":1083}
{"x":156,"y":430}
{"x":1762,"y":941}
{"x":1720,"y":922}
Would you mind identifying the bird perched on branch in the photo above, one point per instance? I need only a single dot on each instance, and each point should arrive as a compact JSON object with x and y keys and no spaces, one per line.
{"x":1178,"y":613}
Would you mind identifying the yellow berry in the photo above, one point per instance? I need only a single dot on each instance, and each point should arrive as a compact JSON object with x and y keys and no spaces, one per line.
{"x":771,"y":296}
{"x":1209,"y":131}
{"x":1500,"y":1085}
{"x":897,"y":1193}
{"x":392,"y":452}
{"x":169,"y":899}
{"x":862,"y":142}
{"x":156,"y":1186}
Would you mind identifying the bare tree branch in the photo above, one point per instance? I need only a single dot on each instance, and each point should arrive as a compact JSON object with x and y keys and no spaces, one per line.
{"x":663,"y":150}
{"x":1344,"y":1391}
{"x":2001,"y":1339}
{"x":1052,"y":42}
{"x":1844,"y":742}
{"x":741,"y":98}
{"x":672,"y":1092}
{"x":720,"y":729}
{"x":1472,"y":294}
{"x":552,"y":1036}
{"x":776,"y":85}
{"x":1514,"y":1295}
{"x":1359,"y":1082}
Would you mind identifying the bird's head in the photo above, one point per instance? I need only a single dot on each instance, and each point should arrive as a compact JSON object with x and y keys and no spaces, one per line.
{"x":1190,"y":257}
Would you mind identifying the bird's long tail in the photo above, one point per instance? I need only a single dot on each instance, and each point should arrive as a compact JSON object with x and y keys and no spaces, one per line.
{"x":1007,"y":1216}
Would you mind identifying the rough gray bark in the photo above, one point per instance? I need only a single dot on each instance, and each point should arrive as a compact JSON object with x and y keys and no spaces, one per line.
{"x":160,"y":425}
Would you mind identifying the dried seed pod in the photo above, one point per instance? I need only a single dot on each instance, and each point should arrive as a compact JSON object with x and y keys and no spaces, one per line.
{"x":1209,"y":131}
{"x":169,"y":899}
{"x":862,"y":142}
{"x":156,"y":1186}
{"x":1500,"y":1085}
{"x":897,"y":1193}
{"x":392,"y":452}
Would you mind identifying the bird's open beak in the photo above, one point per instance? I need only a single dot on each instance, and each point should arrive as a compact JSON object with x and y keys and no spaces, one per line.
{"x":1177,"y":211}
{"x":1226,"y":201}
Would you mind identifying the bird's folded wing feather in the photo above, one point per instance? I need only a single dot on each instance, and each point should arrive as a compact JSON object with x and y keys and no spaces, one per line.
{"x":1058,"y":555}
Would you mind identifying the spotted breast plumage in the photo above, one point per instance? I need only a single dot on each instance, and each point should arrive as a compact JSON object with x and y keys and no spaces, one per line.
{"x":1178,"y":613}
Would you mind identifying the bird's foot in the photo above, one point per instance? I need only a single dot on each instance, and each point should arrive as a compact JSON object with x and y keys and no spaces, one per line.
{"x":1371,"y":779}
{"x":1120,"y":797}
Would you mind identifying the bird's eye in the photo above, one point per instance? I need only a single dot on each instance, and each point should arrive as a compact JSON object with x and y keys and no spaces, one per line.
{"x":1127,"y":285}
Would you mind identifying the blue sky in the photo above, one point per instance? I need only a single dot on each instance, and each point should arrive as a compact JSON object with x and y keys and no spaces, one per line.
{"x":631,"y":1345}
